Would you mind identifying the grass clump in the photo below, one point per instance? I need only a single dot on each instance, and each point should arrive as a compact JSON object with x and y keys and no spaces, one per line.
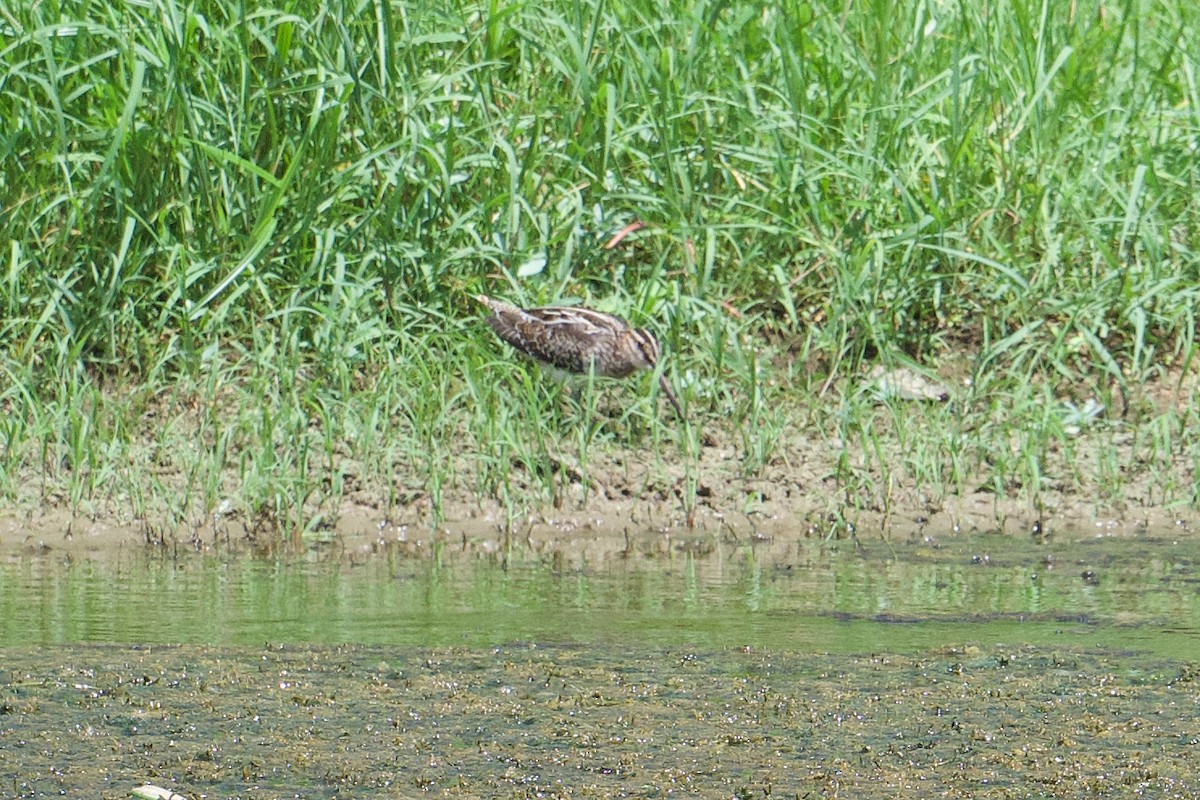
{"x":241,"y":243}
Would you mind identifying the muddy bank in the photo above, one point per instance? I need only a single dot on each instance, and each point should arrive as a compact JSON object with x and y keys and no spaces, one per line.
{"x":621,"y":502}
{"x":598,"y":530}
{"x":598,"y":527}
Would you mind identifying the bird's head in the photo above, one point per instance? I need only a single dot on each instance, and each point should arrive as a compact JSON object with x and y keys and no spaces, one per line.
{"x":647,"y":347}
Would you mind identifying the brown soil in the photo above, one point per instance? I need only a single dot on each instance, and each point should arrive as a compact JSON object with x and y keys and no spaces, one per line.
{"x":630,"y":504}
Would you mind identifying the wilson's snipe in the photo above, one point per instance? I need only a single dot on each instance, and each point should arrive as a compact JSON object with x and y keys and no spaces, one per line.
{"x":578,"y":340}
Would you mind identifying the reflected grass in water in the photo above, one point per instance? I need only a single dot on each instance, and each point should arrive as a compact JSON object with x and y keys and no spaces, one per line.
{"x":845,"y":599}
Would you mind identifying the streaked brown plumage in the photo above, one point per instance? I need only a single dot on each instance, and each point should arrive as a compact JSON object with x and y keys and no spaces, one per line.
{"x":578,"y":340}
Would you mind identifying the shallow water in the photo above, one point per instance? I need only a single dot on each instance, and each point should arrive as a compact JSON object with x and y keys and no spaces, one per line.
{"x":1137,"y":594}
{"x":981,"y":667}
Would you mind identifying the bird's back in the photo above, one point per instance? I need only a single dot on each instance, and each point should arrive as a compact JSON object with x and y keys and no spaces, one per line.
{"x":572,"y":339}
{"x":579,"y":340}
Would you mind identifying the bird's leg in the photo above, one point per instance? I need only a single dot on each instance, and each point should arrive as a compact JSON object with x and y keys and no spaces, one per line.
{"x":666,"y":389}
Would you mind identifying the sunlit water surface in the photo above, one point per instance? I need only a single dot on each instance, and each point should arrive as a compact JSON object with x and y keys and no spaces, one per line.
{"x":852,"y":597}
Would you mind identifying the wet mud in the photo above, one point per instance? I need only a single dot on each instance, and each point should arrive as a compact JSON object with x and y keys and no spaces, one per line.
{"x":525,"y":720}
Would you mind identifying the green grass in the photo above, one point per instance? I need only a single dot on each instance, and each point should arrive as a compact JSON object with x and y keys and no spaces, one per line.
{"x":240,"y":243}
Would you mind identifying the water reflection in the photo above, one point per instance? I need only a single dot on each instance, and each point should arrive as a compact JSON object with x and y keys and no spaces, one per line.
{"x":848,"y":598}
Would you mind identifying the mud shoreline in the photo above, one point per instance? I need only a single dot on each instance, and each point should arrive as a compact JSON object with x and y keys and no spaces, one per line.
{"x":598,"y":530}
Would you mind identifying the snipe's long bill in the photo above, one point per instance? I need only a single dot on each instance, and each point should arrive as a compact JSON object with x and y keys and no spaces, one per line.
{"x":578,"y":340}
